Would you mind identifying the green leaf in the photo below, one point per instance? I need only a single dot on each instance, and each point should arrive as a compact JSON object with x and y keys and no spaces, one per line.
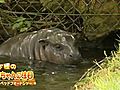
{"x":2,"y":1}
{"x":20,"y":19}
{"x":17,"y":25}
{"x":23,"y":29}
{"x":28,"y":23}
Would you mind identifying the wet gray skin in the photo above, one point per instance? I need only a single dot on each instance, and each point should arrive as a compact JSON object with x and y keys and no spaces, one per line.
{"x":53,"y":45}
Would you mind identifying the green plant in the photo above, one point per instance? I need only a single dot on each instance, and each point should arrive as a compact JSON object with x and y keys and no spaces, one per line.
{"x":105,"y":77}
{"x":2,"y":1}
{"x":21,"y":24}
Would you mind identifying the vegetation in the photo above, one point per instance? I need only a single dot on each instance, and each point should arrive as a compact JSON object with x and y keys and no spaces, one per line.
{"x":2,"y":1}
{"x":100,"y":16}
{"x":106,"y":76}
{"x":21,"y":24}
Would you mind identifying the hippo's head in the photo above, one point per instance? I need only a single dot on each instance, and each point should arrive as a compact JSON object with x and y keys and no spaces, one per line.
{"x":58,"y":47}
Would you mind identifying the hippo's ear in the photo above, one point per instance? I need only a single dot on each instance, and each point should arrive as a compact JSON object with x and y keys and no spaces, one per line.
{"x":43,"y":42}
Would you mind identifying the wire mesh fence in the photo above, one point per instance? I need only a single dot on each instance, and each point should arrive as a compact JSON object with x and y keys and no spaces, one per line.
{"x":93,"y":18}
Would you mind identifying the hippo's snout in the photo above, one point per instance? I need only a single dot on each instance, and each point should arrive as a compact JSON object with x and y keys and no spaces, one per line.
{"x":75,"y":57}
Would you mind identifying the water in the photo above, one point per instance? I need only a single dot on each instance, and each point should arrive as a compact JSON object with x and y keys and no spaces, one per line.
{"x":49,"y":76}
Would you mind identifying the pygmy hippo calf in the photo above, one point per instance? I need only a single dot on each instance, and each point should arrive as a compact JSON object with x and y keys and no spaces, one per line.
{"x":52,"y":45}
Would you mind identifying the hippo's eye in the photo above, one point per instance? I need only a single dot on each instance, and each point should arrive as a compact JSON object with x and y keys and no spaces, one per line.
{"x":69,"y":38}
{"x":58,"y":47}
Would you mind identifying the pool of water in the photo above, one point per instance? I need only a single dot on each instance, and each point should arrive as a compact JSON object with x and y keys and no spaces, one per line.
{"x":49,"y":76}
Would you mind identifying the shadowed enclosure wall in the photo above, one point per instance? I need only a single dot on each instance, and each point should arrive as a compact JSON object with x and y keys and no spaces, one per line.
{"x":91,"y":18}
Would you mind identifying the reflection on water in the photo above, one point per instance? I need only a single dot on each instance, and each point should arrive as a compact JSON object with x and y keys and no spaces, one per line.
{"x":49,"y":76}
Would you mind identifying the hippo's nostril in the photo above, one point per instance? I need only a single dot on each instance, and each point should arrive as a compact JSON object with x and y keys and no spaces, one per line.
{"x":71,"y":55}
